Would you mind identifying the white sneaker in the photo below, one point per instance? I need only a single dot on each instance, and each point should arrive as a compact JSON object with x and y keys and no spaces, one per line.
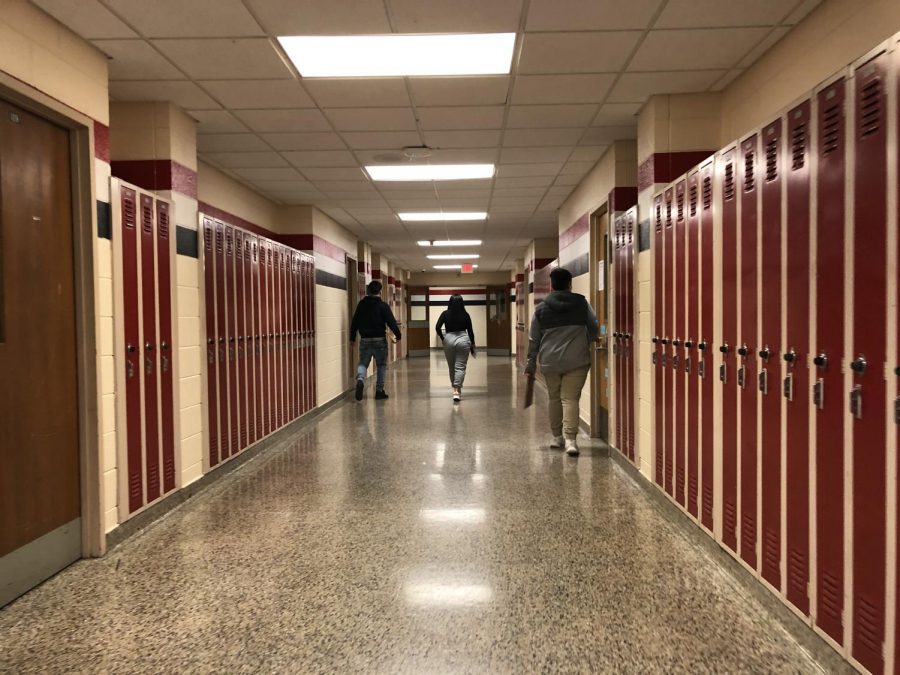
{"x":571,"y":447}
{"x":457,"y":395}
{"x":558,"y":442}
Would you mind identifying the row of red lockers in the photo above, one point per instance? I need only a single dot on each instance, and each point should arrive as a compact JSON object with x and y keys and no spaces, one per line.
{"x":624,"y":231}
{"x":801,"y":213}
{"x":260,"y":336}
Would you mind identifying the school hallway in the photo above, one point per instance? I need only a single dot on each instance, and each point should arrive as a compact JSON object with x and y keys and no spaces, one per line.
{"x":409,"y":535}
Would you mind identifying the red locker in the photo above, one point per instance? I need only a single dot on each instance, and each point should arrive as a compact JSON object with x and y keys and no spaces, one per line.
{"x":704,"y":345}
{"x":618,"y":345}
{"x":231,"y":325}
{"x":668,"y":333}
{"x":166,"y":351}
{"x":896,"y":158}
{"x":240,"y":325}
{"x":726,"y":177}
{"x":298,"y":340}
{"x":747,"y":372}
{"x":770,"y":352}
{"x":828,"y":390}
{"x":796,"y":357}
{"x":680,"y":326}
{"x":221,"y":340}
{"x":272,"y":261}
{"x":304,"y":405}
{"x":212,"y":391}
{"x":630,"y":330}
{"x":132,"y":348}
{"x":289,"y":334}
{"x":311,"y":313}
{"x":691,"y":331}
{"x":258,"y":337}
{"x":658,"y":336}
{"x":150,"y":362}
{"x":869,"y":354}
{"x":249,"y":332}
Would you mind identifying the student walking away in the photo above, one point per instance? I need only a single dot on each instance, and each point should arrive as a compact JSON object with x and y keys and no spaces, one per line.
{"x":459,"y":341}
{"x":562,"y":329}
{"x":371,"y":320}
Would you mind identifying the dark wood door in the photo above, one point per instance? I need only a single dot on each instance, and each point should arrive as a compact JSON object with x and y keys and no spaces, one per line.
{"x":418,"y":323}
{"x":39,"y":483}
{"x":499,"y":329}
{"x":600,"y":370}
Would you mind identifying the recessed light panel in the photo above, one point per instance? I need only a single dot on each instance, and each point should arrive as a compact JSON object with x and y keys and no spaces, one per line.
{"x":453,"y":256}
{"x":408,"y":172}
{"x":443,"y":216}
{"x":451,"y":242}
{"x":449,"y":267}
{"x":400,"y":55}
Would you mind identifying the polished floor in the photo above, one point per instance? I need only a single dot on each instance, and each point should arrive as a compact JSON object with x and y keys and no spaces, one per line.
{"x":408,"y":535}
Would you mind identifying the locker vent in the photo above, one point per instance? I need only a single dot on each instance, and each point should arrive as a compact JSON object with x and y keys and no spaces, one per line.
{"x":730,"y":521}
{"x":147,"y":216}
{"x":830,"y":597}
{"x":771,"y":549}
{"x":707,"y":192}
{"x":219,"y":239}
{"x":831,"y":129}
{"x":870,"y":111}
{"x":128,"y":209}
{"x":729,"y":182}
{"x":797,"y":570}
{"x":748,"y":532}
{"x":693,"y":200}
{"x":798,"y":146}
{"x":163,"y":222}
{"x":772,"y":160}
{"x":207,"y":237}
{"x":255,"y":252}
{"x":867,"y":625}
{"x":658,"y":217}
{"x":668,"y":214}
{"x":680,"y":206}
{"x":707,"y":498}
{"x":749,"y":174}
{"x":229,"y":243}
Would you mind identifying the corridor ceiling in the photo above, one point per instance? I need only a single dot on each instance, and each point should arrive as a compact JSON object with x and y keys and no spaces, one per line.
{"x":581,"y":70}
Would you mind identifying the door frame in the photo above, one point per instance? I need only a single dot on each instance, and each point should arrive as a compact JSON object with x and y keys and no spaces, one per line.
{"x":594,"y":234}
{"x":84,"y":225}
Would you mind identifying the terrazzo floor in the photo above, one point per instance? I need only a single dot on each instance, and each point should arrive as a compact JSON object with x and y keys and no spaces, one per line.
{"x":408,"y":535}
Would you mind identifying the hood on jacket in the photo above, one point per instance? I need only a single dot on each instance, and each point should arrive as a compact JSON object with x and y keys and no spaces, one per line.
{"x":564,"y":301}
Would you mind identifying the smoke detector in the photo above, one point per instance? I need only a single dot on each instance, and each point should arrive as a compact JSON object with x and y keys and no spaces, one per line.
{"x":417,"y":152}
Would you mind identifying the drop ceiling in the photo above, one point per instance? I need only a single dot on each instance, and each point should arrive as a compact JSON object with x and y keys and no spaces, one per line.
{"x":581,"y":70}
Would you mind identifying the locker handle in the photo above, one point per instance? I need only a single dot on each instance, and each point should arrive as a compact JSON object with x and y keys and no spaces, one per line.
{"x":664,"y":341}
{"x":702,"y":346}
{"x":724,"y":348}
{"x":676,"y":342}
{"x":130,"y":348}
{"x":616,"y":334}
{"x":743,"y":350}
{"x":164,"y":346}
{"x":764,"y":353}
{"x":689,"y":344}
{"x":654,"y":339}
{"x":231,"y":338}
{"x":148,"y":346}
{"x":821,"y":360}
{"x":627,"y":336}
{"x":221,"y":340}
{"x":790,"y":356}
{"x":858,"y":366}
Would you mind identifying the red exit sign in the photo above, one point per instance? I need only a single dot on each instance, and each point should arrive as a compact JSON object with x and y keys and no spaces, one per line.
{"x":467,"y":268}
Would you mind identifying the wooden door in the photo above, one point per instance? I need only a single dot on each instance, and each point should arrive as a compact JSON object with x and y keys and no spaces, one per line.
{"x":499,"y":328}
{"x":40,"y":530}
{"x":418,"y":327}
{"x":598,"y":298}
{"x":352,"y":301}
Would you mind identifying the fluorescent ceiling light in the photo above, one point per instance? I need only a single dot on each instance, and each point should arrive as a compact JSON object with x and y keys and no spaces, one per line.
{"x":453,"y":256}
{"x":409,"y":172}
{"x":451,"y":242}
{"x":400,"y":55}
{"x":444,"y":215}
{"x":449,"y":267}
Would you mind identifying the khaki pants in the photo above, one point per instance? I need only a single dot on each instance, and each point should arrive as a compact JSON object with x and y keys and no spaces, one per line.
{"x":564,"y":390}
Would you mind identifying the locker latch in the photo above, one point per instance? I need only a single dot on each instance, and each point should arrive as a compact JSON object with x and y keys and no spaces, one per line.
{"x":148,"y":361}
{"x":856,"y":402}
{"x":858,"y":365}
{"x":723,"y":374}
{"x":164,"y":359}
{"x":687,"y":365}
{"x":210,"y":350}
{"x":897,"y":410}
{"x":129,"y":364}
{"x":665,"y":360}
{"x":764,"y":381}
{"x":789,"y":387}
{"x":653,"y":357}
{"x":701,"y":369}
{"x":675,"y":362}
{"x":819,"y":394}
{"x":742,"y":377}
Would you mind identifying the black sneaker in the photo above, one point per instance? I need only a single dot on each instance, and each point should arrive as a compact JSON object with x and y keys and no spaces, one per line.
{"x":359,"y":389}
{"x":380,"y":396}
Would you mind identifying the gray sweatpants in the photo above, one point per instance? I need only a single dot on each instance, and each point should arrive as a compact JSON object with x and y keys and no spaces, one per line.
{"x":456,"y":349}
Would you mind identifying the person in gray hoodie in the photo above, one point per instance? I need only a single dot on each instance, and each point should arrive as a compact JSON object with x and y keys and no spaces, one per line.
{"x":562,"y":328}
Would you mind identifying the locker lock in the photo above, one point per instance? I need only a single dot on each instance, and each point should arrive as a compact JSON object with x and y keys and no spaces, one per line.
{"x":764,"y":353}
{"x":743,"y":350}
{"x":130,"y":348}
{"x":676,"y":342}
{"x":858,"y":366}
{"x":688,"y":344}
{"x":164,"y":346}
{"x":897,"y":371}
{"x":702,"y":346}
{"x":724,"y":348}
{"x":210,"y":341}
{"x":231,"y":338}
{"x":654,"y":339}
{"x":790,"y":356}
{"x":820,"y":360}
{"x":616,"y":334}
{"x":627,"y":336}
{"x":664,"y":341}
{"x":148,"y":346}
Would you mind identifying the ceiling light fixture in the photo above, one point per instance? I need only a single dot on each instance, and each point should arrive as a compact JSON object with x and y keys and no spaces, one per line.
{"x":451,"y":242}
{"x":414,"y":172}
{"x":449,"y":267}
{"x":453,"y":256}
{"x":443,"y":215}
{"x":400,"y":55}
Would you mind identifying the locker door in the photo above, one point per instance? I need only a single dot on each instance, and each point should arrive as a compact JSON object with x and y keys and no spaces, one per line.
{"x":692,"y":330}
{"x":680,"y":326}
{"x":231,"y":341}
{"x":298,"y":338}
{"x":618,"y":345}
{"x":266,"y":328}
{"x":149,"y":360}
{"x":668,"y":336}
{"x":258,"y":342}
{"x":770,"y":353}
{"x":212,"y":391}
{"x":704,"y":346}
{"x":166,"y":349}
{"x":726,"y":171}
{"x":747,"y":372}
{"x":289,"y":333}
{"x":225,"y":449}
{"x":311,"y":309}
{"x":868,"y":395}
{"x":828,"y":392}
{"x":631,"y":226}
{"x":273,"y":337}
{"x":239,"y":347}
{"x":797,"y":359}
{"x":132,"y":348}
{"x":250,"y":332}
{"x":659,"y":400}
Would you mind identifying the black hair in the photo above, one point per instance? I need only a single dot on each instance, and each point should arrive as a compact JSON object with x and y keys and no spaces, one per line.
{"x":456,"y":305}
{"x":560,"y":279}
{"x":374,"y":287}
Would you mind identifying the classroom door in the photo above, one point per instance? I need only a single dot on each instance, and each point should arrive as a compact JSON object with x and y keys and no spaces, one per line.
{"x":600,"y":366}
{"x":40,"y":503}
{"x":418,"y":327}
{"x":499,"y":328}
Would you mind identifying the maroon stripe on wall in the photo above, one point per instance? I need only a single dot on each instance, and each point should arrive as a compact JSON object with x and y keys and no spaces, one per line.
{"x":362,"y":266}
{"x":664,"y":167}
{"x":313,"y":242}
{"x":157,"y":174}
{"x":541,"y":263}
{"x":234,"y":220}
{"x":580,"y":228}
{"x":622,"y":198}
{"x":101,"y":141}
{"x":520,"y":277}
{"x":376,"y":274}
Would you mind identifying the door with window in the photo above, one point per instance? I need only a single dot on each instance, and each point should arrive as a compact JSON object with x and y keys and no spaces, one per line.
{"x":600,"y":369}
{"x":418,"y":327}
{"x":40,"y":502}
{"x":499,"y":330}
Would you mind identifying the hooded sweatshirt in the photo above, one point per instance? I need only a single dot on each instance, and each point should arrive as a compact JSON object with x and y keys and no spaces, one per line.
{"x":562,"y":328}
{"x":371,"y":318}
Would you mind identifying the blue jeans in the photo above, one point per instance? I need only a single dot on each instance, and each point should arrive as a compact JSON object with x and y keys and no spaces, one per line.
{"x":373,"y":348}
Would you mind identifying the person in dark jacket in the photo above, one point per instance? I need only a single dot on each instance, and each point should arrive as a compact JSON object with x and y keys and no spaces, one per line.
{"x":562,"y":329}
{"x":371,"y":320}
{"x":459,"y":341}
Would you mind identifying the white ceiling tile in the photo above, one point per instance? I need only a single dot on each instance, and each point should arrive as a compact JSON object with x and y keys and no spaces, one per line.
{"x":417,"y":195}
{"x":438,"y":91}
{"x":358,"y":93}
{"x":526,"y":170}
{"x":567,"y":180}
{"x":668,"y":50}
{"x":230,"y":143}
{"x":617,"y":114}
{"x":575,"y":15}
{"x":269,"y":174}
{"x":414,"y":203}
{"x":314,"y":17}
{"x":523,"y":181}
{"x":294,"y":198}
{"x":284,"y":185}
{"x":525,"y":137}
{"x":463,"y":156}
{"x":307,"y":119}
{"x":765,"y":45}
{"x":636,"y":87}
{"x":136,"y":60}
{"x":88,"y":18}
{"x":217,"y":122}
{"x":223,"y":59}
{"x":465,"y":203}
{"x":463,"y":117}
{"x":258,"y":94}
{"x":317,"y":140}
{"x":455,"y":16}
{"x":196,"y":18}
{"x":553,"y":116}
{"x":591,"y":88}
{"x":588,"y":153}
{"x":528,"y":193}
{"x":381,"y":140}
{"x":533,"y":155}
{"x":372,"y":119}
{"x":726,"y":79}
{"x":510,"y":210}
{"x":552,"y":203}
{"x":182,"y":93}
{"x":577,"y":168}
{"x":345,"y":197}
{"x":606,"y":135}
{"x":248,"y":160}
{"x":356,"y":186}
{"x":474,"y":138}
{"x":715,"y":13}
{"x":596,"y":52}
{"x":802,"y":11}
{"x":465,"y":187}
{"x":320,"y":158}
{"x":318,"y":173}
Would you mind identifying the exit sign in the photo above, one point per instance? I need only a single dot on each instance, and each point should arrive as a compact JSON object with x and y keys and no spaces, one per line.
{"x":467,"y":268}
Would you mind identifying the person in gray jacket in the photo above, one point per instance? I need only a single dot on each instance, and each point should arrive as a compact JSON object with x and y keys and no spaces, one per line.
{"x":562,"y":328}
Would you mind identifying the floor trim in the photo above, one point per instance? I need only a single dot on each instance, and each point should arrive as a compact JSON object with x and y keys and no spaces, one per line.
{"x":801,"y":631}
{"x":32,"y":564}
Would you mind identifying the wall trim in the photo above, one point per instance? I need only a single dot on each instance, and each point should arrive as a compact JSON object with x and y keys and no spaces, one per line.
{"x":157,"y":175}
{"x":664,"y":167}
